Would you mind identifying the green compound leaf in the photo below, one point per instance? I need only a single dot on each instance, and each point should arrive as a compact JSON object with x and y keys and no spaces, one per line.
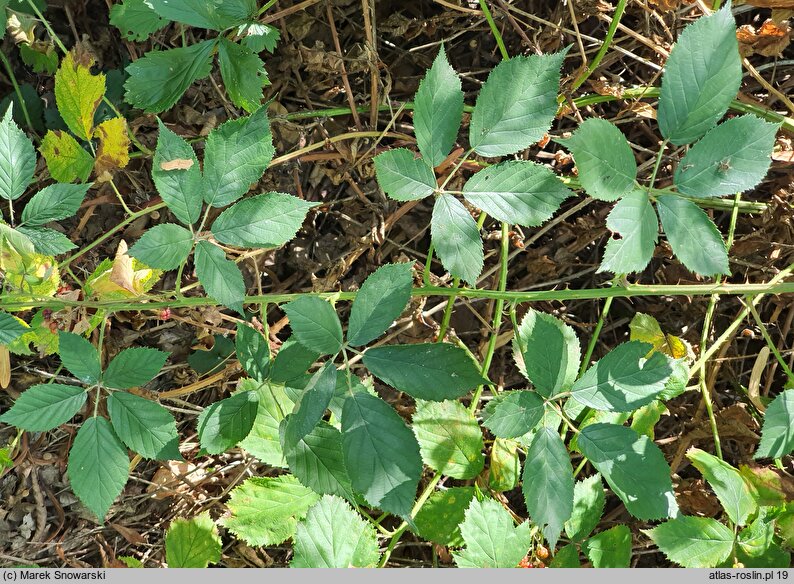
{"x":10,"y":328}
{"x":438,"y":109}
{"x":311,"y":405}
{"x":588,"y":506}
{"x":610,"y":548}
{"x":517,"y":191}
{"x":777,"y":433}
{"x":315,"y":325}
{"x":17,"y":159}
{"x":633,"y":466}
{"x":47,"y":241}
{"x":236,"y":155}
{"x":450,"y":440}
{"x":695,"y":239}
{"x":136,"y":20}
{"x":243,"y":74}
{"x":67,"y":161}
{"x":144,"y":426}
{"x":253,"y":351}
{"x":548,"y":483}
{"x":693,"y":542}
{"x":227,"y":422}
{"x":382,"y":298}
{"x":516,"y":104}
{"x":180,"y":188}
{"x":440,"y":517}
{"x":701,"y":77}
{"x":192,"y":543}
{"x":550,"y":353}
{"x":163,"y":247}
{"x":624,"y":379}
{"x":79,"y":357}
{"x":456,"y":239}
{"x":381,"y":453}
{"x":215,"y":14}
{"x":404,"y":177}
{"x":492,"y":540}
{"x":731,"y":158}
{"x":318,"y":462}
{"x":220,"y":277}
{"x":98,"y":465}
{"x":44,"y":407}
{"x":158,"y":79}
{"x":505,"y":468}
{"x":265,"y":511}
{"x":333,"y":535}
{"x":513,"y":414}
{"x":606,"y":164}
{"x":264,"y":221}
{"x":134,"y":367}
{"x":635,"y":220}
{"x":263,"y":440}
{"x":727,"y":483}
{"x":430,"y":371}
{"x":53,"y":203}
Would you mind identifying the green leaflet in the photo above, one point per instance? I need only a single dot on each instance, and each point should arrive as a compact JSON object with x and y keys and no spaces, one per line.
{"x":179,"y":188}
{"x":505,"y":467}
{"x":566,"y":557}
{"x":10,"y":328}
{"x":440,"y":517}
{"x":164,"y":247}
{"x":192,"y":543}
{"x":263,"y":440}
{"x":548,"y":483}
{"x":635,"y":220}
{"x":220,"y":277}
{"x":610,"y":548}
{"x":492,"y":540}
{"x":450,"y":440}
{"x":777,"y":433}
{"x":438,"y":108}
{"x":80,"y":357}
{"x":731,"y":158}
{"x":47,"y":241}
{"x":44,"y":407}
{"x":333,"y":535}
{"x":315,"y":325}
{"x":317,"y":461}
{"x":513,"y":413}
{"x":381,"y":453}
{"x":268,"y":220}
{"x":550,"y":353}
{"x":456,"y":239}
{"x":212,"y":14}
{"x":516,"y":104}
{"x":133,"y":367}
{"x":227,"y":422}
{"x":382,"y":298}
{"x":430,"y":371}
{"x":292,"y":360}
{"x":633,"y":466}
{"x":517,"y":191}
{"x":253,"y":351}
{"x":243,"y":74}
{"x":144,"y":426}
{"x":624,"y":379}
{"x":158,"y":79}
{"x":17,"y":158}
{"x":404,"y":177}
{"x":588,"y":505}
{"x":136,"y":20}
{"x":98,"y":466}
{"x":265,"y":511}
{"x":701,"y":77}
{"x":607,"y":169}
{"x":67,"y":161}
{"x":311,"y":405}
{"x":693,"y":236}
{"x":729,"y":486}
{"x":693,"y":542}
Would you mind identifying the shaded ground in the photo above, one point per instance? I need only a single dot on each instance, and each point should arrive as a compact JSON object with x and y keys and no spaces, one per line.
{"x":357,"y":229}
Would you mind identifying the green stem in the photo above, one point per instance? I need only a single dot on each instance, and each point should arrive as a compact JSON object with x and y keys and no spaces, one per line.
{"x":613,"y":27}
{"x":17,"y":90}
{"x":428,"y":262}
{"x":495,"y":31}
{"x":770,"y":343}
{"x":265,"y":7}
{"x":656,"y":166}
{"x":594,"y":338}
{"x":47,"y":26}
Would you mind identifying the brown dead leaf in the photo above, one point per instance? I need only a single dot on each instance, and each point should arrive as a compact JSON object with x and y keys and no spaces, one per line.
{"x":771,"y":3}
{"x":129,"y":534}
{"x":666,"y":5}
{"x":5,"y":367}
{"x":122,"y":273}
{"x":769,"y":41}
{"x":166,"y":481}
{"x":176,"y":164}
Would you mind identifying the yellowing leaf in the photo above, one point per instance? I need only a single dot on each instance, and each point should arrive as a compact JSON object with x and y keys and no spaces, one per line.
{"x":113,"y":150}
{"x":78,"y":92}
{"x":66,"y":159}
{"x":35,"y":273}
{"x":124,"y":277}
{"x":646,"y":328}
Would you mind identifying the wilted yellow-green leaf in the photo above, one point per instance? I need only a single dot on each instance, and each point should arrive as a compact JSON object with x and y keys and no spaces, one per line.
{"x":35,"y":274}
{"x":646,"y":328}
{"x":78,"y":92}
{"x":123,"y":277}
{"x":66,"y":159}
{"x":113,"y":150}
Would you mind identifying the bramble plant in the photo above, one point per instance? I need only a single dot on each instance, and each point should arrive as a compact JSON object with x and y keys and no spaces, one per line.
{"x":350,"y":472}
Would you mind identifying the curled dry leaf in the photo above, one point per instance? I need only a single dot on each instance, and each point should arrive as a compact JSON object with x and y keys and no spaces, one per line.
{"x":769,"y":40}
{"x":176,"y":164}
